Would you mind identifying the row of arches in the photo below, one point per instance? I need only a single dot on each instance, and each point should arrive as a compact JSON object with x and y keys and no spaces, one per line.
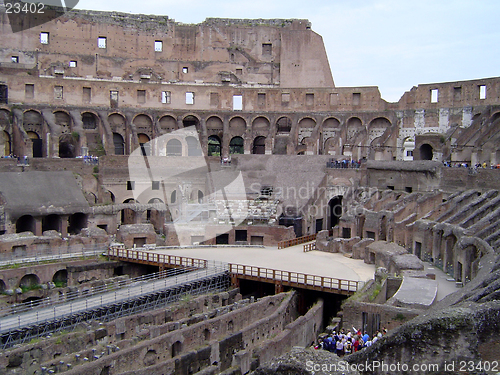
{"x":72,"y":224}
{"x":32,"y":281}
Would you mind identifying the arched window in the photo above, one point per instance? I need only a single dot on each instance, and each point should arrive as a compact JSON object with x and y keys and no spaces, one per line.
{"x":236,"y":146}
{"x":214,"y":146}
{"x":259,"y":145}
{"x":174,"y":148}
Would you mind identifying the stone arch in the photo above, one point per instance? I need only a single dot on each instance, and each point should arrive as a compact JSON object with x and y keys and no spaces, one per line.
{"x":176,"y":349}
{"x":52,"y":222}
{"x":191,"y":120}
{"x":60,"y":278}
{"x":307,"y":123}
{"x":214,"y":146}
{"x":215,"y":124}
{"x":127,"y":215}
{"x":3,"y":286}
{"x":174,"y":147}
{"x":33,"y":121}
{"x":77,"y":222}
{"x":26,"y":223}
{"x":63,"y":120}
{"x":283,"y":125}
{"x":354,"y":127}
{"x":331,"y":123}
{"x":168,"y":123}
{"x":90,"y":121}
{"x":261,"y":125}
{"x":237,"y":126}
{"x":259,"y":145}
{"x":29,"y":281}
{"x":143,"y":124}
{"x":117,"y":122}
{"x":236,"y":145}
{"x":377,"y":127}
{"x":119,"y":144}
{"x":426,"y":152}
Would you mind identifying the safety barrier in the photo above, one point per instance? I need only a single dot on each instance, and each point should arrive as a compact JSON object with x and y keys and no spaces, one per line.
{"x":296,"y":241}
{"x":309,"y":247}
{"x":296,"y":279}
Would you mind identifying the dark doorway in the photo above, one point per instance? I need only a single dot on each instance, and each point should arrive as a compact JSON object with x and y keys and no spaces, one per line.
{"x":119,"y":144}
{"x":418,"y":249}
{"x":259,"y":145}
{"x":335,"y":208}
{"x":240,"y":235}
{"x":426,"y":152}
{"x":222,"y":239}
{"x":67,"y":146}
{"x":77,"y":222}
{"x":319,"y":225}
{"x":37,"y":148}
{"x":4,"y":94}
{"x":214,"y":147}
{"x":51,"y":222}
{"x":25,"y":223}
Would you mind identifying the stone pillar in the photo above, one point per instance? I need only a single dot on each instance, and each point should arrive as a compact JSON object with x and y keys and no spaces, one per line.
{"x":38,"y":226}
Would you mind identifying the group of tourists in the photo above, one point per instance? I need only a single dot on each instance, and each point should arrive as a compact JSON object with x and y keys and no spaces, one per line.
{"x":343,"y":164}
{"x":344,"y":343}
{"x":475,"y":166}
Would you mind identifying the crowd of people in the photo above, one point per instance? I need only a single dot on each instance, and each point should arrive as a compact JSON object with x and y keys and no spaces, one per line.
{"x":475,"y":166}
{"x":344,"y":343}
{"x":332,"y":163}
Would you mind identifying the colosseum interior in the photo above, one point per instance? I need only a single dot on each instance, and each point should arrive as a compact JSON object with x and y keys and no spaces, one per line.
{"x":146,"y":133}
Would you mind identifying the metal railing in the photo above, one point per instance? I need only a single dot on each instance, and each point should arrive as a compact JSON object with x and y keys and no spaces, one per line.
{"x":85,"y":292}
{"x":43,"y":322}
{"x":12,"y":258}
{"x":296,"y":241}
{"x":296,"y":279}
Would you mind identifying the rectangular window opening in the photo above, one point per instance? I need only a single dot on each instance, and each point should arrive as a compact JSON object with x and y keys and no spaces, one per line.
{"x":457,"y":93}
{"x":482,"y":92}
{"x":185,"y":69}
{"x":434,"y":95}
{"x":356,"y":98}
{"x":101,"y":42}
{"x":14,"y":59}
{"x":285,"y":98}
{"x":165,"y":97}
{"x":130,"y":185}
{"x":113,"y":99}
{"x":237,"y":102}
{"x":239,"y":71}
{"x":334,"y":99}
{"x":267,"y":49}
{"x":190,"y":98}
{"x":158,"y":46}
{"x":44,"y":38}
{"x":72,"y":64}
{"x":58,"y":92}
{"x":141,"y":96}
{"x":87,"y":94}
{"x":309,"y":99}
{"x":29,"y":91}
{"x":155,"y":185}
{"x":214,"y":99}
{"x":261,"y":99}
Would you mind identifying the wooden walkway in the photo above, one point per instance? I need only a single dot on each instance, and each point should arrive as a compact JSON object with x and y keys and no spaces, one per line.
{"x":279,"y":278}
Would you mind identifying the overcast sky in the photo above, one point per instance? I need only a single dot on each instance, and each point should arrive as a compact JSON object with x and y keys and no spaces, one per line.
{"x":392,"y":44}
